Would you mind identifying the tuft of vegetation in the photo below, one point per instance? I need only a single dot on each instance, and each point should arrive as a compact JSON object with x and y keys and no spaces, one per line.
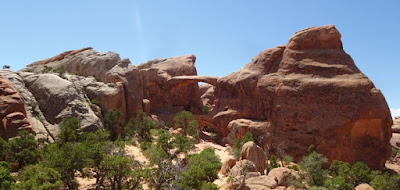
{"x":237,"y":148}
{"x":202,"y":169}
{"x":39,"y":177}
{"x":46,"y":69}
{"x":6,"y":180}
{"x":205,"y":109}
{"x":273,"y":162}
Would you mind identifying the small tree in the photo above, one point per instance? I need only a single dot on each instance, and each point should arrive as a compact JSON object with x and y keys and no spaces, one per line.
{"x":143,"y":125}
{"x":312,"y":169}
{"x":117,"y":169}
{"x":188,"y":123}
{"x":23,"y":149}
{"x":114,"y":122}
{"x":165,"y":165}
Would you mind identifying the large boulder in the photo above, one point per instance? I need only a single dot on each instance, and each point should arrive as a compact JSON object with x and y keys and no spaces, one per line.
{"x":311,"y":92}
{"x":255,"y":154}
{"x":12,"y":110}
{"x":59,"y":98}
{"x":281,"y":175}
{"x":242,"y":167}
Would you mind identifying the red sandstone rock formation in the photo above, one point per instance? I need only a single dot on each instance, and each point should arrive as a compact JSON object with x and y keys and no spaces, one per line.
{"x":12,"y":110}
{"x":310,"y":92}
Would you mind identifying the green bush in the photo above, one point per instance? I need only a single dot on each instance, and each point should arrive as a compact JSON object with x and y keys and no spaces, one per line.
{"x":188,"y":123}
{"x":360,"y":173}
{"x":70,"y":130}
{"x":237,"y":148}
{"x":205,"y":109}
{"x":117,"y":170}
{"x":386,"y":182}
{"x":338,"y":183}
{"x":23,"y":149}
{"x":39,"y":177}
{"x":6,"y":180}
{"x":273,"y":162}
{"x":341,"y":169}
{"x":143,"y":126}
{"x":312,"y":165}
{"x":202,"y":168}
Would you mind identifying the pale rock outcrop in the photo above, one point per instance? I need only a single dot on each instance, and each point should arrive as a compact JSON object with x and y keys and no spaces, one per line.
{"x":311,"y":92}
{"x":12,"y":110}
{"x":59,"y":99}
{"x":106,"y":67}
{"x":255,"y":154}
{"x":281,"y":175}
{"x":39,"y":125}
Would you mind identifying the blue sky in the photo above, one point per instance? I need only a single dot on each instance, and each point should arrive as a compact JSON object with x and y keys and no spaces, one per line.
{"x":223,"y":34}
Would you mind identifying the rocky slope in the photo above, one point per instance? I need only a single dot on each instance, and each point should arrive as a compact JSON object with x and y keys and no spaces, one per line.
{"x":289,"y":97}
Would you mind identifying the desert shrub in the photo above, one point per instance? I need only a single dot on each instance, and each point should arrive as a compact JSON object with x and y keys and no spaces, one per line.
{"x":209,"y":186}
{"x":314,"y":173}
{"x":23,"y":149}
{"x":386,"y":182}
{"x":237,"y":148}
{"x":39,"y":177}
{"x":341,"y":169}
{"x":143,"y":126}
{"x":337,"y":183}
{"x":188,"y":123}
{"x":60,"y":70}
{"x":202,"y":168}
{"x":287,"y":159}
{"x":395,"y":152}
{"x":46,"y":69}
{"x":115,"y":123}
{"x":6,"y":180}
{"x":360,"y":173}
{"x":205,"y":109}
{"x":273,"y":162}
{"x":67,"y":158}
{"x":117,"y":170}
{"x":165,"y":165}
{"x":70,"y":130}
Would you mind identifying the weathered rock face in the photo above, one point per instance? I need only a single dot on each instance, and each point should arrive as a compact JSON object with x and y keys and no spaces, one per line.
{"x":105,"y":67}
{"x":12,"y":110}
{"x":311,"y":92}
{"x":166,"y":94}
{"x":40,"y":127}
{"x":59,"y":99}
